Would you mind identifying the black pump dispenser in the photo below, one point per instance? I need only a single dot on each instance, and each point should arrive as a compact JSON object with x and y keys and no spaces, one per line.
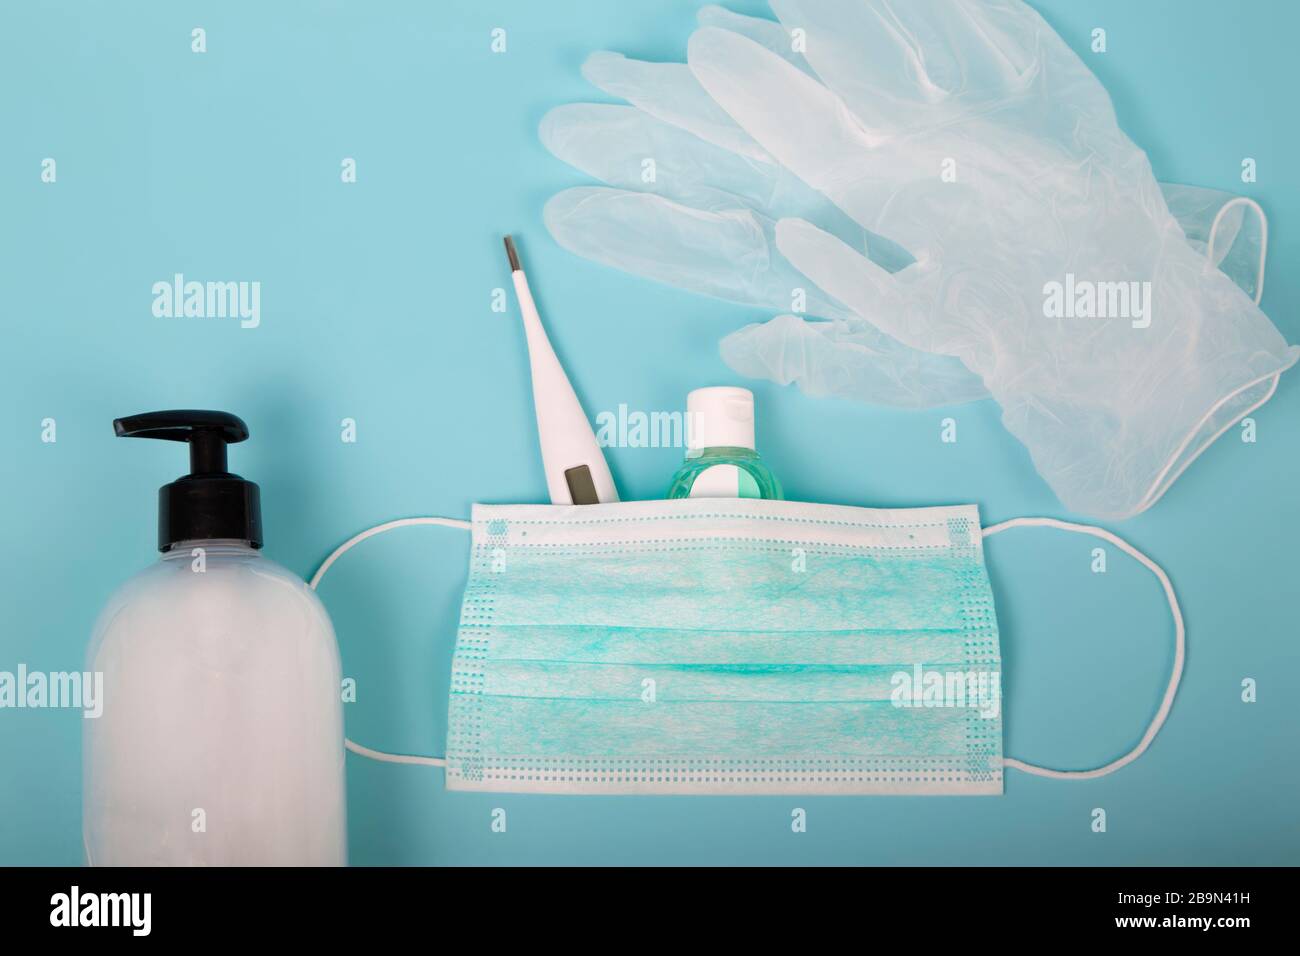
{"x":209,"y":502}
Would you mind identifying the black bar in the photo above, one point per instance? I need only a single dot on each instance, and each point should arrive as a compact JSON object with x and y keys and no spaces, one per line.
{"x":938,"y":909}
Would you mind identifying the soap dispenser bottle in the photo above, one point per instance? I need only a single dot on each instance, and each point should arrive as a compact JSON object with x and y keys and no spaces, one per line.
{"x":720,"y":458}
{"x":221,"y":736}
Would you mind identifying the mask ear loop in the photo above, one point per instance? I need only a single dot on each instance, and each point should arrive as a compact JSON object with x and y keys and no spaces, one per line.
{"x":1179,"y":647}
{"x":356,"y":539}
{"x":1154,"y":728}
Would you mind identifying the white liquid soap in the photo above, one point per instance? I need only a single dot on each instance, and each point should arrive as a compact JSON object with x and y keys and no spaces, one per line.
{"x":221,"y":737}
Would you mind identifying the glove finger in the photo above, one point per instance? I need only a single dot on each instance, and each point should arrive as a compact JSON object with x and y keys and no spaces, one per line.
{"x":852,"y":361}
{"x":767,"y":33}
{"x":803,"y":125}
{"x":914,"y":54}
{"x":900,"y":305}
{"x":625,"y":147}
{"x":670,"y":92}
{"x":730,"y":253}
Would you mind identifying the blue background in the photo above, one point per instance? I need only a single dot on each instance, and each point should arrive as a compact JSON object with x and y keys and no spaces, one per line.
{"x":376,"y":306}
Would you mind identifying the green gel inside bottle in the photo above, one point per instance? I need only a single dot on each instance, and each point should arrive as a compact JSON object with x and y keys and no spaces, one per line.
{"x":721,"y":461}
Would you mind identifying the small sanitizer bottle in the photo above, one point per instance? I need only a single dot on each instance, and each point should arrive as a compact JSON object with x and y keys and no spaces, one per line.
{"x":720,"y":457}
{"x":220,"y":740}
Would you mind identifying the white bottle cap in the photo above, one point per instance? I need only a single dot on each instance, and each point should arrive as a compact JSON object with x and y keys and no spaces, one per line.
{"x":720,"y":417}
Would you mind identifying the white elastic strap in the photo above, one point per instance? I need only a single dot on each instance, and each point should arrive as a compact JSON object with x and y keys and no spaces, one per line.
{"x":1179,"y":647}
{"x":356,"y":539}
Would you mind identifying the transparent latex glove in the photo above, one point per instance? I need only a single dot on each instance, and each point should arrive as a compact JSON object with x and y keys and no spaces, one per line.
{"x":719,"y":240}
{"x":703,"y":219}
{"x":1046,"y":257}
{"x":706,"y":221}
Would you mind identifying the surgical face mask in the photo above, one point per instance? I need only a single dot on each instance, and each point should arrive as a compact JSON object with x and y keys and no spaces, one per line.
{"x":731,"y":647}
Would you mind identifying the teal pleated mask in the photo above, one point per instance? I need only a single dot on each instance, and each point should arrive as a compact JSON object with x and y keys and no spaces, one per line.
{"x":726,"y":646}
{"x":733,"y":646}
